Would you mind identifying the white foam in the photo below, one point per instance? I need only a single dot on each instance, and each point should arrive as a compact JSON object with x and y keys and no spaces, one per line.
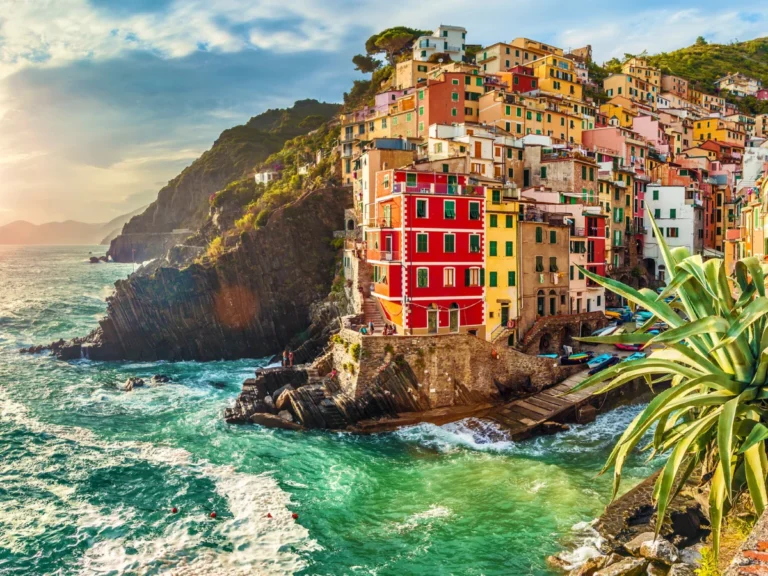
{"x":256,"y":544}
{"x":471,"y":433}
{"x":588,"y":542}
{"x":424,"y":520}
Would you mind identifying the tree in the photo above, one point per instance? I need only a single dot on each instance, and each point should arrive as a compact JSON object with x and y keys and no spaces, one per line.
{"x":393,"y":42}
{"x":715,"y":358}
{"x":366,"y":64}
{"x":700,"y":41}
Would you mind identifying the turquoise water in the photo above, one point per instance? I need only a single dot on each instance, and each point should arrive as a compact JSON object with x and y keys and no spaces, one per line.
{"x":89,"y":474}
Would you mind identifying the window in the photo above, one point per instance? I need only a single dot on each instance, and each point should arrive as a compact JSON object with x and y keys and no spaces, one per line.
{"x":511,"y":278}
{"x":543,"y":171}
{"x":421,"y":127}
{"x":421,"y":110}
{"x":509,"y":249}
{"x":383,"y":122}
{"x":422,"y":277}
{"x":410,"y":180}
{"x":449,"y":243}
{"x":474,"y":243}
{"x":421,"y":92}
{"x":655,"y":194}
{"x":454,"y":112}
{"x":657,"y":213}
{"x":509,"y":221}
{"x":673,"y":232}
{"x":539,"y":235}
{"x":673,"y":213}
{"x":494,"y":223}
{"x":552,"y":237}
{"x":496,"y":196}
{"x":539,"y":263}
{"x":474,"y":277}
{"x":570,"y":271}
{"x":583,"y":172}
{"x":449,"y":277}
{"x":492,"y":248}
{"x":421,"y":243}
{"x":455,"y":96}
{"x":449,"y":209}
{"x":592,"y":174}
{"x":492,"y":276}
{"x":474,"y":211}
{"x":408,"y":116}
{"x":553,"y":264}
{"x":421,"y":208}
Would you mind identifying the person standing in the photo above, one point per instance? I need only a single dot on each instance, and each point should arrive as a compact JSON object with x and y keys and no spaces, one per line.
{"x":370,"y":327}
{"x":290,"y":358}
{"x":285,"y":358}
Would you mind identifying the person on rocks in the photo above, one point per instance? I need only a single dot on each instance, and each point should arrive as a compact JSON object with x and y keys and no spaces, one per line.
{"x":285,"y":358}
{"x":290,"y":358}
{"x":370,"y":327}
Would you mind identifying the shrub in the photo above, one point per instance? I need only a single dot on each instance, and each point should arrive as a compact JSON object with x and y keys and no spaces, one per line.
{"x":215,"y":248}
{"x":355,"y":350}
{"x":708,"y":563}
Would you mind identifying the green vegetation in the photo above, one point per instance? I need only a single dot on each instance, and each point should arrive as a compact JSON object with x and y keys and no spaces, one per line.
{"x":356,"y":351}
{"x":708,"y":563}
{"x":715,"y":358}
{"x":215,"y":248}
{"x":394,"y":42}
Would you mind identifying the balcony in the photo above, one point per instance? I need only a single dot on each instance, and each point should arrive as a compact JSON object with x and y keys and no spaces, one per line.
{"x":383,"y":255}
{"x":578,"y":232}
{"x":594,"y":232}
{"x":379,"y":223}
{"x":446,"y":189}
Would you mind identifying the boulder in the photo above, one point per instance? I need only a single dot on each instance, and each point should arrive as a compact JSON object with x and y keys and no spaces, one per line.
{"x":94,"y":260}
{"x":691,"y":555}
{"x":272,"y":421}
{"x":590,"y":566}
{"x":660,"y":550}
{"x":681,"y":570}
{"x":283,"y":397}
{"x":270,"y":404}
{"x":285,"y":415}
{"x":633,"y":546}
{"x":586,"y":414}
{"x":657,"y":569}
{"x":557,"y":563}
{"x":548,"y":428}
{"x":160,"y":379}
{"x":132,"y":383}
{"x":626,"y":567}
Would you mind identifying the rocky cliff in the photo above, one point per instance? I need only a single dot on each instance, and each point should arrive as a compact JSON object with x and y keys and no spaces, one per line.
{"x":250,"y":302}
{"x":183,"y":203}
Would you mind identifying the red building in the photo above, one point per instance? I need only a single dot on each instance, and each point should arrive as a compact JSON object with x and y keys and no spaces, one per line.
{"x":523,"y":79}
{"x":443,"y":101}
{"x":595,"y":228}
{"x":426,"y":247}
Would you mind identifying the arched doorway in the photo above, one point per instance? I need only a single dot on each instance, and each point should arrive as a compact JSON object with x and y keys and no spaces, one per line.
{"x":544,"y":343}
{"x":453,"y":318}
{"x":350,"y":225}
{"x":540,"y":303}
{"x":650,"y":265}
{"x":586,"y":330}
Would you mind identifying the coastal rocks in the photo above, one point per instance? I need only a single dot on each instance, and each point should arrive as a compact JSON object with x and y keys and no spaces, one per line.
{"x":160,"y":379}
{"x":133,"y":383}
{"x":633,"y":546}
{"x":272,"y":421}
{"x":659,"y":550}
{"x":681,"y":570}
{"x":94,"y":260}
{"x":625,"y":567}
{"x":251,"y":303}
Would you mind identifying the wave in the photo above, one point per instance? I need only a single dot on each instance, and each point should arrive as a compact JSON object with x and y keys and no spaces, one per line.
{"x":251,"y":542}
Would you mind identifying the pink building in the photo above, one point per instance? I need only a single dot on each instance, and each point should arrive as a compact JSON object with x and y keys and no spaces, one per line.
{"x":762,"y":94}
{"x":652,"y":130}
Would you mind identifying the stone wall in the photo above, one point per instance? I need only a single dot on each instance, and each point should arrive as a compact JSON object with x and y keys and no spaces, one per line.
{"x":753,"y":556}
{"x":451,"y":369}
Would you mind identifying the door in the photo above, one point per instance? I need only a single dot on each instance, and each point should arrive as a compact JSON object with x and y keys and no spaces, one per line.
{"x":454,"y":319}
{"x":388,"y":244}
{"x":526,"y":178}
{"x":432,"y":321}
{"x":478,"y":149}
{"x":452,"y":185}
{"x":589,"y":304}
{"x":504,"y":314}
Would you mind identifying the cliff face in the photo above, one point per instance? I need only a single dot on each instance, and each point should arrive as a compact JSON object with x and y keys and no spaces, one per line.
{"x":250,"y":303}
{"x":184,"y":202}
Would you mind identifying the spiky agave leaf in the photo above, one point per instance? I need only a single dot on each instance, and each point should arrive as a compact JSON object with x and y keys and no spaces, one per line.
{"x":715,"y":358}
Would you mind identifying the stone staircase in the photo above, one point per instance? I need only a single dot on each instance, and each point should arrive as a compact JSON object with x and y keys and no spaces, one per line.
{"x":372,"y":313}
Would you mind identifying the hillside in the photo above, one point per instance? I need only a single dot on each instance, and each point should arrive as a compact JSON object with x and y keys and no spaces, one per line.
{"x":69,"y":232}
{"x":704,"y":63}
{"x":184,"y":202}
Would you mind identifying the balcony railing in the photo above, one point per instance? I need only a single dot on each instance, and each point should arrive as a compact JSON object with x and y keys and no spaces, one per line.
{"x":592,"y":231}
{"x":578,"y":232}
{"x":383,"y":255}
{"x":379,"y":223}
{"x":447,"y":189}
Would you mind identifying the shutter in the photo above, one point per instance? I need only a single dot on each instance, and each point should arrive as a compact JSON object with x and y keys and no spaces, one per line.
{"x":482,"y":276}
{"x":466,"y":277}
{"x":538,"y":234}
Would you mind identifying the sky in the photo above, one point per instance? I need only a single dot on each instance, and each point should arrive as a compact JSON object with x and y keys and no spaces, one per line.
{"x":103,"y":101}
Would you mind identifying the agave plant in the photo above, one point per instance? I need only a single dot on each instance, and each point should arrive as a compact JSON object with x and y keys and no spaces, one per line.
{"x":713,"y":416}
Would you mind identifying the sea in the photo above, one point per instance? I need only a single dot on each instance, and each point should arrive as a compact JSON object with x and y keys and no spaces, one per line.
{"x":90,"y":475}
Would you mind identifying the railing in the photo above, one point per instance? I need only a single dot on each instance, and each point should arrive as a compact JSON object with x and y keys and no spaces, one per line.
{"x":579,"y":232}
{"x":383,"y":255}
{"x":378,"y":223}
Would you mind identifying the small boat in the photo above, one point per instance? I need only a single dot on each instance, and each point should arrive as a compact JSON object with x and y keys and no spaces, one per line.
{"x":629,"y":347}
{"x":609,"y":361}
{"x":576,"y":358}
{"x":597,"y":360}
{"x":635,"y":356}
{"x":547,"y":355}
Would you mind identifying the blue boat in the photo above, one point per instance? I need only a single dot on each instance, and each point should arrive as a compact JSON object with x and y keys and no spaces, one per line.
{"x":635,"y":356}
{"x":576,"y":358}
{"x":548,"y":356}
{"x":602,"y":362}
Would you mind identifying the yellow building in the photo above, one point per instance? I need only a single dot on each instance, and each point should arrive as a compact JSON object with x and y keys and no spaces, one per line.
{"x":625,"y":116}
{"x":631,"y":87}
{"x":558,"y":76}
{"x":720,"y":130}
{"x":501,"y":263}
{"x":551,"y":117}
{"x":640,"y":69}
{"x":411,"y":72}
{"x":503,"y":109}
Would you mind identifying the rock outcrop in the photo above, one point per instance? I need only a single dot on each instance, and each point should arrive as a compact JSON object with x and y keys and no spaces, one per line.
{"x":182,"y":205}
{"x":251,"y":302}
